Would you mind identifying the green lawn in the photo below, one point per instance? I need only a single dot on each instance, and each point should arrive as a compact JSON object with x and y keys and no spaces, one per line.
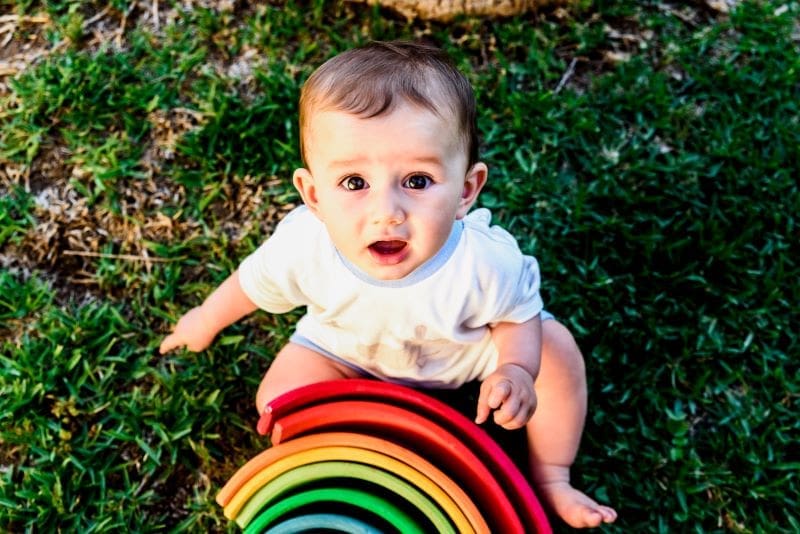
{"x":648,"y":153}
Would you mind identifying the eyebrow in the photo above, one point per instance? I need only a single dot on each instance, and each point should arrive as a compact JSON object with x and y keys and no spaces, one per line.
{"x":435,"y":160}
{"x":348,"y":163}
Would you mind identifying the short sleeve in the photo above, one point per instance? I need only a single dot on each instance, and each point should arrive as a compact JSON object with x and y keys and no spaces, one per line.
{"x":506,"y":281}
{"x":522,"y":300}
{"x":271,"y":275}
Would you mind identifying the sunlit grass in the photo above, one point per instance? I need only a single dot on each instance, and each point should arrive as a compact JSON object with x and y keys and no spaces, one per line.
{"x":646,"y":153}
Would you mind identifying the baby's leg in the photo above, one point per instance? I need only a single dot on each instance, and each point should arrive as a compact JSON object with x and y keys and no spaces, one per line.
{"x":295,"y":366}
{"x":554,"y":431}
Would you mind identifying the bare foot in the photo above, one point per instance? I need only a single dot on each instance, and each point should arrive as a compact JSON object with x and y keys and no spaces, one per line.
{"x":573,"y":506}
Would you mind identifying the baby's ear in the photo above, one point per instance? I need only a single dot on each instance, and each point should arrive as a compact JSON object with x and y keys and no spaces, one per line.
{"x":304,"y":183}
{"x":473,"y":183}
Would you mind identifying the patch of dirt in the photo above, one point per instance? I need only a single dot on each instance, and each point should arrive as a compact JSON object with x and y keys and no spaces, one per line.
{"x":167,"y":128}
{"x":177,"y":490}
{"x":23,"y":38}
{"x":22,"y":43}
{"x":70,"y":236}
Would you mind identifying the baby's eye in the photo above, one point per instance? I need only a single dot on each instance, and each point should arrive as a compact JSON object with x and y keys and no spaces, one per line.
{"x":417,"y":181}
{"x":354,"y":183}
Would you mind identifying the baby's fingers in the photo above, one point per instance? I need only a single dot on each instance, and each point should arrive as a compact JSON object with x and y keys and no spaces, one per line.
{"x":491,"y":398}
{"x":483,"y":413}
{"x":170,"y":342}
{"x":498,"y":394}
{"x":513,"y":414}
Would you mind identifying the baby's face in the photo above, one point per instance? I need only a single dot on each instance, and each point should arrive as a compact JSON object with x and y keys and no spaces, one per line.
{"x":387,"y":188}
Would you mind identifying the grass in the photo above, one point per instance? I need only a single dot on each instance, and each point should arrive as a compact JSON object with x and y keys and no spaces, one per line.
{"x":646,"y":152}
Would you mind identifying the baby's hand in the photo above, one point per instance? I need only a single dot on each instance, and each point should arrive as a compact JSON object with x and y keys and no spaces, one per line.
{"x":191,"y":332}
{"x":509,"y":391}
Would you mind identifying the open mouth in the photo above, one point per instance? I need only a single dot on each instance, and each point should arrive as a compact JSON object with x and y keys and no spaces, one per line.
{"x":387,"y":247}
{"x":388,"y":252}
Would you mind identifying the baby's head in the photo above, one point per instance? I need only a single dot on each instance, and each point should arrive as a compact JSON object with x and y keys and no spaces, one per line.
{"x":389,"y":145}
{"x":373,"y":80}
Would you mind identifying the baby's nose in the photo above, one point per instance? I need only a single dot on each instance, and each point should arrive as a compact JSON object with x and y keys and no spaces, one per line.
{"x":387,"y":209}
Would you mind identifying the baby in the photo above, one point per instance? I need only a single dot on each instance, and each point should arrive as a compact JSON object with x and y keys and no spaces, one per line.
{"x":401,"y":283}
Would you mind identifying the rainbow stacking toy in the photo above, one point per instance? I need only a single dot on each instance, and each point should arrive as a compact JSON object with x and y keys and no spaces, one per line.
{"x":366,"y":456}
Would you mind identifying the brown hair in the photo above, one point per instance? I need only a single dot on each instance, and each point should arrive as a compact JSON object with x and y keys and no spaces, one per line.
{"x":371,"y":80}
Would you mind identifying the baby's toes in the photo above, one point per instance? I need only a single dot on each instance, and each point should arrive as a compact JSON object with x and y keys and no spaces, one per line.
{"x":608,"y":513}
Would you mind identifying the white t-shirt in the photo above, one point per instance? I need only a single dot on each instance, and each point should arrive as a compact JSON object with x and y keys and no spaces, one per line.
{"x":429,"y":329}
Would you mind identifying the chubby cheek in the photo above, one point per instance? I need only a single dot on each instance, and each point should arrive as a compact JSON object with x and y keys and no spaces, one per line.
{"x":338,"y":203}
{"x":334,"y":209}
{"x":435,"y":230}
{"x":344,"y":231}
{"x":340,"y":228}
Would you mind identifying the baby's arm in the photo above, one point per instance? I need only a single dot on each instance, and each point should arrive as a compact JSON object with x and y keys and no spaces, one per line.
{"x":199,"y":326}
{"x":509,"y":389}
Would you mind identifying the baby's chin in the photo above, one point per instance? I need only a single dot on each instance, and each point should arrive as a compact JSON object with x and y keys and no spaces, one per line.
{"x":387,"y":272}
